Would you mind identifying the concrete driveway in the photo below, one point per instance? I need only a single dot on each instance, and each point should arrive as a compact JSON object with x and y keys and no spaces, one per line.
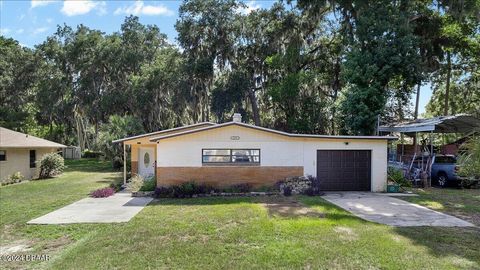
{"x":391,"y":211}
{"x":120,"y":207}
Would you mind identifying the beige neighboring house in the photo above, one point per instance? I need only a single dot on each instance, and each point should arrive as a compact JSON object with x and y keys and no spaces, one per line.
{"x":20,"y":152}
{"x":235,"y":152}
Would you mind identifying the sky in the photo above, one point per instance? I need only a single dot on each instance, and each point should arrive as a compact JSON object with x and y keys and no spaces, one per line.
{"x":31,"y":21}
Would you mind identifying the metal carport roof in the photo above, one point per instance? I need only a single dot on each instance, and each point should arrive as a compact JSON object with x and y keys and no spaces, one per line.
{"x":442,"y":124}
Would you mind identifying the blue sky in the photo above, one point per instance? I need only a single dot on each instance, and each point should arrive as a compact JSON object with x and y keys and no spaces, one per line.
{"x":30,"y":22}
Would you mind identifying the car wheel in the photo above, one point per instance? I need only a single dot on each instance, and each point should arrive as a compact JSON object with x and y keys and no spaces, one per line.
{"x":442,"y":180}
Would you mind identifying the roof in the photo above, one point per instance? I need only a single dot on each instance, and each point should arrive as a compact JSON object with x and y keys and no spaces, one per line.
{"x":442,"y":124}
{"x":14,"y":139}
{"x":179,"y":129}
{"x":271,"y":131}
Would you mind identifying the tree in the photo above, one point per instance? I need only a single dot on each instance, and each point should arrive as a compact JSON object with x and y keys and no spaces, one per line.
{"x":17,"y":81}
{"x":383,"y":51}
{"x":118,"y":127}
{"x":207,"y":31}
{"x":159,"y":100}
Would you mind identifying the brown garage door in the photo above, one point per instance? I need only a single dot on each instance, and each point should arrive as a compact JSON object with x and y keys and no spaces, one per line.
{"x":344,"y":170}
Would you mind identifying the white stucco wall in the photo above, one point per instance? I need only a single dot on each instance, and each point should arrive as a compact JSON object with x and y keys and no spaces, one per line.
{"x":275,"y":150}
{"x":18,"y":160}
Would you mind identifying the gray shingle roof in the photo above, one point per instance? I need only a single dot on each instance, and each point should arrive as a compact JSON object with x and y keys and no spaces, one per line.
{"x":14,"y":139}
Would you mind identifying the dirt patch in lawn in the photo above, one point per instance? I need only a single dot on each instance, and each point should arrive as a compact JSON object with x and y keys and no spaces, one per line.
{"x":16,"y":247}
{"x":288,"y":207}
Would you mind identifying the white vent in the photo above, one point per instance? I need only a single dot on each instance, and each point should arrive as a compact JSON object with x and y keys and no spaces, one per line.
{"x":237,"y":117}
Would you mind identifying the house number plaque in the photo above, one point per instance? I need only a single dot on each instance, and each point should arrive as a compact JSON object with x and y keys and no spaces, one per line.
{"x":234,"y":138}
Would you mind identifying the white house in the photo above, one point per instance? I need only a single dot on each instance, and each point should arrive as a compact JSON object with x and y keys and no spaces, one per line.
{"x":235,"y":152}
{"x":20,"y":152}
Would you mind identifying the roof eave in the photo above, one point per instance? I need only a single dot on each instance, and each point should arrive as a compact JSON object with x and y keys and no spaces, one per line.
{"x":162,"y":131}
{"x":273,"y":131}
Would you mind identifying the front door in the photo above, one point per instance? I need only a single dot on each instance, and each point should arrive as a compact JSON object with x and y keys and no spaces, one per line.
{"x":146,"y":162}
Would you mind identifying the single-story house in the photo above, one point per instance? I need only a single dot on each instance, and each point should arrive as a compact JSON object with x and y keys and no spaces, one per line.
{"x":238,"y":153}
{"x":20,"y":152}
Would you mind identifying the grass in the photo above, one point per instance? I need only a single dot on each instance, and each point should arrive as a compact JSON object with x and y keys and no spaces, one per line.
{"x":22,"y":202}
{"x":219,"y":233}
{"x":463,"y":203}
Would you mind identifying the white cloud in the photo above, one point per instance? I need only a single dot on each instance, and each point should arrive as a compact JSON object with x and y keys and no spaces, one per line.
{"x":80,"y":7}
{"x":139,"y":8}
{"x":40,"y":30}
{"x":39,"y":3}
{"x":20,"y":31}
{"x":49,"y":20}
{"x":250,"y":6}
{"x":5,"y":31}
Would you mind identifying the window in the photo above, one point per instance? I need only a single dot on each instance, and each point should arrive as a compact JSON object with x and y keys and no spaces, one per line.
{"x":33,"y":155}
{"x":236,"y":156}
{"x":146,"y":159}
{"x":445,"y":159}
{"x":3,"y":155}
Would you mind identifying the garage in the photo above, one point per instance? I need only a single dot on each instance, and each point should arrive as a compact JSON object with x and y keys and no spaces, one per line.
{"x":344,"y":170}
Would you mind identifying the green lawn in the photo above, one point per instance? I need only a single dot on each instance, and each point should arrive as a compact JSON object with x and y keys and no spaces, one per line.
{"x":463,"y":203}
{"x":226,"y":233}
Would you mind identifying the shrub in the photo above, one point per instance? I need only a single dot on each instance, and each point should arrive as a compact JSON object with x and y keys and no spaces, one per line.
{"x":163,"y":192}
{"x":13,"y":178}
{"x":135,"y":184}
{"x":117,"y":186}
{"x":271,"y":188}
{"x":311,"y":192}
{"x":287,"y":191}
{"x":117,"y":163}
{"x":186,"y":190}
{"x":469,"y":160}
{"x":243,"y":188}
{"x":149,"y":184}
{"x":314,"y":188}
{"x":103,"y":192}
{"x":91,"y":154}
{"x":51,"y":164}
{"x":396,"y":175}
{"x":238,"y":188}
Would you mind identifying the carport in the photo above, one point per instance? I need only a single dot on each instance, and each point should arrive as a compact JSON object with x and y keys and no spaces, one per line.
{"x":463,"y":124}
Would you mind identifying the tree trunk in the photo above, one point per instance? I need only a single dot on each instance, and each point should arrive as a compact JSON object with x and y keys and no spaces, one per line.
{"x":336,"y":89}
{"x":255,"y":111}
{"x":447,"y":87}
{"x":417,"y":101}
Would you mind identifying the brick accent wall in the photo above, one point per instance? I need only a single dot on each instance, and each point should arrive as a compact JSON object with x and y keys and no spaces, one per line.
{"x":226,"y":175}
{"x":134,"y":167}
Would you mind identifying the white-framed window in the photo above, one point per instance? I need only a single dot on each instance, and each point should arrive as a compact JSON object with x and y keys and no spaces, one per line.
{"x":230,"y":156}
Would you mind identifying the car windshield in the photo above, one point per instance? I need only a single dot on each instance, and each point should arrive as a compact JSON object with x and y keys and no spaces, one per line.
{"x":445,"y":159}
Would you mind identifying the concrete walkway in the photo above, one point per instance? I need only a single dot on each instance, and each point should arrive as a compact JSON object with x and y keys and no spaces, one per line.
{"x":391,"y":211}
{"x":120,"y":207}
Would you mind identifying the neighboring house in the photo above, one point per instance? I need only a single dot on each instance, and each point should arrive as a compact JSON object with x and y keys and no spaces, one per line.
{"x":235,"y":152}
{"x":20,"y":152}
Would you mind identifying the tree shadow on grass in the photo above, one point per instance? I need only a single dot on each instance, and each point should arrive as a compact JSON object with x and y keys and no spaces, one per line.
{"x":446,"y":241}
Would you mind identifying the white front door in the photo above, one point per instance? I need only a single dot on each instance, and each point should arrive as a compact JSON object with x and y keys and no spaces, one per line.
{"x":146,"y":162}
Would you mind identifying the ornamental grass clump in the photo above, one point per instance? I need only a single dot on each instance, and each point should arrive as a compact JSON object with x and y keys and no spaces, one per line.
{"x":136,"y":183}
{"x":102,"y":192}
